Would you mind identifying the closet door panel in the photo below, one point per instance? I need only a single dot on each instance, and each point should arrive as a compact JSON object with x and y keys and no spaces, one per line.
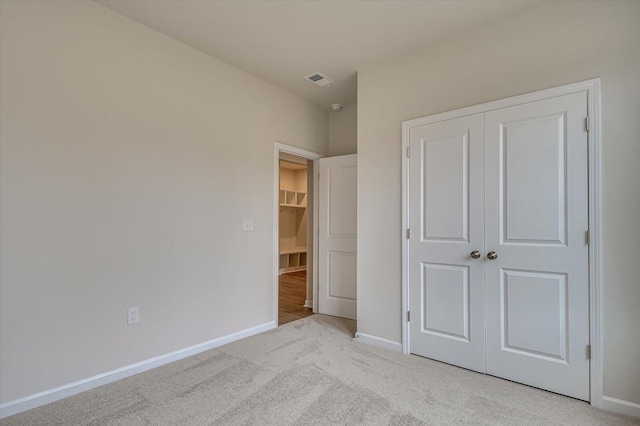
{"x":536,"y":222}
{"x":446,"y":219}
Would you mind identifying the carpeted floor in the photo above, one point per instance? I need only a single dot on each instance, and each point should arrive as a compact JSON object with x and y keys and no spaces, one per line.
{"x":310,"y":372}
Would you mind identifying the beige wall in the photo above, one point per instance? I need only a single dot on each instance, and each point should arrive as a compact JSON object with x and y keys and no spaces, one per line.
{"x":553,"y":44}
{"x":343,"y":131}
{"x":128,"y":164}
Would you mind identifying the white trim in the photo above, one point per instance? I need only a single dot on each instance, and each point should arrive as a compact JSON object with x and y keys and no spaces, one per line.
{"x":592,"y":88}
{"x":316,"y":232}
{"x":406,"y":348}
{"x":36,"y":400}
{"x":378,"y":341}
{"x":308,"y":304}
{"x":277,"y":149}
{"x":595,"y":244}
{"x":583,"y":86}
{"x":620,"y":406}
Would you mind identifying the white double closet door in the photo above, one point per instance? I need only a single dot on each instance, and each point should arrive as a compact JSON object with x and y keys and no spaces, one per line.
{"x":498,"y":251}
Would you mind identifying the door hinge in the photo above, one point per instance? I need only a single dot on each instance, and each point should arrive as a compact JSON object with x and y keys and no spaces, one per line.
{"x":408,"y":151}
{"x":588,"y":351}
{"x":408,"y":316}
{"x":408,"y":233}
{"x":586,"y":123}
{"x":587,"y":237}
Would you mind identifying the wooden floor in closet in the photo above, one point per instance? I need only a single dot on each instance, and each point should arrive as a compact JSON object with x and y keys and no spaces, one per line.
{"x":291,"y":297}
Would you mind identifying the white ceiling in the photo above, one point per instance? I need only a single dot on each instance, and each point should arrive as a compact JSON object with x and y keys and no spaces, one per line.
{"x":284,"y":41}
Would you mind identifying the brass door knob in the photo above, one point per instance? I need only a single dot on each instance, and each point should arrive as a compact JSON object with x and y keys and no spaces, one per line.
{"x":492,"y":255}
{"x":475,"y":254}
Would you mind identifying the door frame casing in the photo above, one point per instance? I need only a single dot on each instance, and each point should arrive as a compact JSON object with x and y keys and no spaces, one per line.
{"x":309,"y":155}
{"x":592,"y":89}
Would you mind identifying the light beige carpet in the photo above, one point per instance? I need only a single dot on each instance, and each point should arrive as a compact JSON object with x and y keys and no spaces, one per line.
{"x":311,"y":372}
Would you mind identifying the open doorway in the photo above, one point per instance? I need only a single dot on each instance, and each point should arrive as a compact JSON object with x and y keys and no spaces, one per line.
{"x":328,"y":256}
{"x":293,"y":239}
{"x":294,"y":225}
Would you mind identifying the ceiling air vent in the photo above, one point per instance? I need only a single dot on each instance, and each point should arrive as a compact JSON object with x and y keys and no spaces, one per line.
{"x":319,"y":79}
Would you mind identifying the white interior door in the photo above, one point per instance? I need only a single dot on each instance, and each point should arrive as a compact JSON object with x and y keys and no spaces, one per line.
{"x":337,"y":236}
{"x":536,"y":223}
{"x":510,"y":183}
{"x":446,"y":219}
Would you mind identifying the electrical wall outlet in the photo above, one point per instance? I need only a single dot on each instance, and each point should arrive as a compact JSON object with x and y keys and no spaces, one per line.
{"x":133,"y":315}
{"x":247,"y":225}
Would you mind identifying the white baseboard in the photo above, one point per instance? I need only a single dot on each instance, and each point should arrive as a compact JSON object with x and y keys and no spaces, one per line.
{"x":32,"y":401}
{"x":620,"y":406}
{"x":308,"y":304}
{"x":379,"y":342}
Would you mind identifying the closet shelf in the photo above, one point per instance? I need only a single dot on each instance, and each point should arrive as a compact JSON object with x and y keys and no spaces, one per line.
{"x":292,"y":260}
{"x":292,"y":198}
{"x":288,"y":250}
{"x":293,"y":222}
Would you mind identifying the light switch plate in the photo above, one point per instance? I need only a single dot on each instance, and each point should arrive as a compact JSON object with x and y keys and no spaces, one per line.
{"x":247,"y":225}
